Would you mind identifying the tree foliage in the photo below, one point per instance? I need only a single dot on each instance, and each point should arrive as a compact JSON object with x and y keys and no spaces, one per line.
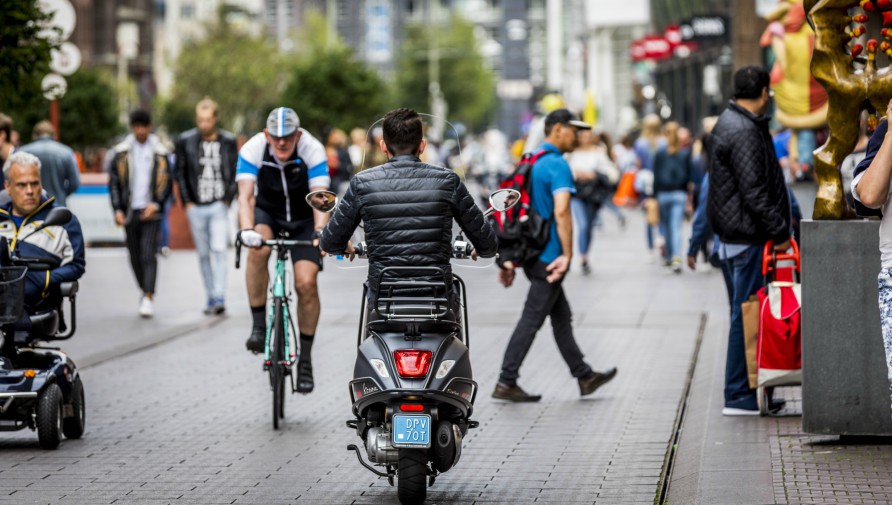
{"x":241,"y":72}
{"x":328,"y":85}
{"x":88,"y":113}
{"x":465,"y":81}
{"x":334,"y":89}
{"x":24,"y":56}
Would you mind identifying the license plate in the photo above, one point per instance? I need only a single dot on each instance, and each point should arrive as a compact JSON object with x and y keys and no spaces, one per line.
{"x":412,"y":430}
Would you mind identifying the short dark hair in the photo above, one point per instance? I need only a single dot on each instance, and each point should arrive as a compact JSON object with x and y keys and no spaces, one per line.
{"x":140,"y":117}
{"x":750,"y":81}
{"x":402,"y":131}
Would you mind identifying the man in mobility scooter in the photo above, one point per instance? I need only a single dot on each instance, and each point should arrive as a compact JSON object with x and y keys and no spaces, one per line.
{"x":41,"y":258}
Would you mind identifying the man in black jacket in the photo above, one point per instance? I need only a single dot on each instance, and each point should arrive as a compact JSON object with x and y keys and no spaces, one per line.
{"x":407,"y":207}
{"x":206,"y":157}
{"x":748,"y":205}
{"x":138,"y":185}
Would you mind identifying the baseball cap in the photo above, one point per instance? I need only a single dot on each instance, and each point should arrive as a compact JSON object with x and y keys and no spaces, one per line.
{"x":282,"y":122}
{"x":566,"y":117}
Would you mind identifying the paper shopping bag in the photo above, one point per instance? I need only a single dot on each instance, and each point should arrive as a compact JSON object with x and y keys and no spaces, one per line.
{"x":750,"y":309}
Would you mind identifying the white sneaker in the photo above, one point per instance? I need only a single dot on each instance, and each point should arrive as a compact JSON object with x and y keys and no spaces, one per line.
{"x":732,"y":411}
{"x":146,"y":307}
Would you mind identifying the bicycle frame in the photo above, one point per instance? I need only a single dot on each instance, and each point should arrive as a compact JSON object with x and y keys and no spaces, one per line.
{"x":278,"y":290}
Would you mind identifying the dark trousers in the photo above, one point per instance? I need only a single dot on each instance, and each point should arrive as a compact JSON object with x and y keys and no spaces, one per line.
{"x":745,"y":271}
{"x":142,"y":242}
{"x":544,"y":299}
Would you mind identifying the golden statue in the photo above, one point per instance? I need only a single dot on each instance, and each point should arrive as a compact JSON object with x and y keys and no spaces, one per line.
{"x":845,"y":63}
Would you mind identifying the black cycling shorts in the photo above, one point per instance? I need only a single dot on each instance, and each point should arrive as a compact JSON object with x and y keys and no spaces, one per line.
{"x":296,"y":230}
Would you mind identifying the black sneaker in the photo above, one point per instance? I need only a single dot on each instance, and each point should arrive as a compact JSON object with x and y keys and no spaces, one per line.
{"x":257,"y":340}
{"x":305,"y":377}
{"x":591,"y":382}
{"x":513,"y":394}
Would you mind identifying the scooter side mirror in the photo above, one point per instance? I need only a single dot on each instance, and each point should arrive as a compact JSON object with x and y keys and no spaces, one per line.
{"x":57,"y":216}
{"x":322,"y":200}
{"x":504,"y":199}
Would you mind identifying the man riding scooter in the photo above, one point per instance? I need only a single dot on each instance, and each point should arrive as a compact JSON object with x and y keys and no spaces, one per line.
{"x":23,"y":207}
{"x":407,"y":207}
{"x":414,"y":309}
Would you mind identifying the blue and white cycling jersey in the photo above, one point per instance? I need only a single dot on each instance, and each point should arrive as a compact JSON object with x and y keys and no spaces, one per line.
{"x":281,"y":188}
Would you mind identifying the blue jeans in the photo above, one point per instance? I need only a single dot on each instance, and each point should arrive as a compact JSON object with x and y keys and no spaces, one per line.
{"x":745,"y":271}
{"x":585,"y":214}
{"x":209,"y":224}
{"x":671,"y":216}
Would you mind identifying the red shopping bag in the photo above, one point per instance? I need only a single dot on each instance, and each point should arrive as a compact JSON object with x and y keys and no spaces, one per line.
{"x":779,"y":347}
{"x":625,"y":195}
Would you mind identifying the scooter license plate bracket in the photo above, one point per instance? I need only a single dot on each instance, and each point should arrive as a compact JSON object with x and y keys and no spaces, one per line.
{"x":411,"y":431}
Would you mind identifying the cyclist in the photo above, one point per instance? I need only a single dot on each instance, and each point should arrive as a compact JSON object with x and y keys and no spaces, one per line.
{"x":276,"y":170}
{"x":407,"y":207}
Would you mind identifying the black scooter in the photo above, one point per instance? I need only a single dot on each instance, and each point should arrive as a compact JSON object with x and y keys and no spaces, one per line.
{"x":413,"y":390}
{"x":40,"y":387}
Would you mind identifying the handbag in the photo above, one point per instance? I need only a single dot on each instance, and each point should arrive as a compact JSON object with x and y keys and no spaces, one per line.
{"x":750,"y":310}
{"x":652,"y":211}
{"x":625,"y":195}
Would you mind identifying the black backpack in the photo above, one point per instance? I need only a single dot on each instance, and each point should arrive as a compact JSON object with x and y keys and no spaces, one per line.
{"x":522,"y":232}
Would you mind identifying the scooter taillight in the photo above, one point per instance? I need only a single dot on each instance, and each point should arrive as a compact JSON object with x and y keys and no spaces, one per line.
{"x":412,"y":363}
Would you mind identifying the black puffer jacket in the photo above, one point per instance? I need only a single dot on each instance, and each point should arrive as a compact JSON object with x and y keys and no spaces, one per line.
{"x":748,"y":201}
{"x":407,"y":209}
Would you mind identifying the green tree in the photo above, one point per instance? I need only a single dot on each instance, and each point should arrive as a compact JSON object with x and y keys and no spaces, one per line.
{"x":465,"y":81}
{"x":328,"y":85}
{"x":24,"y":55}
{"x":241,"y":72}
{"x":334,"y":89}
{"x":88,"y":113}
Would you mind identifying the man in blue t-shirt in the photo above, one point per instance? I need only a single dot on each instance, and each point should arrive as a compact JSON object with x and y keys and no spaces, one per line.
{"x":551,"y":188}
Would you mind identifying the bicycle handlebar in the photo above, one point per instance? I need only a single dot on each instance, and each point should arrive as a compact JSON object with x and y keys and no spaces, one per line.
{"x":274,"y":243}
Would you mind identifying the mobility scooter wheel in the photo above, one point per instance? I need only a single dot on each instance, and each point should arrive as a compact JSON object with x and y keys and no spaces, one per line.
{"x":73,"y":427}
{"x":412,"y":476}
{"x":49,"y":417}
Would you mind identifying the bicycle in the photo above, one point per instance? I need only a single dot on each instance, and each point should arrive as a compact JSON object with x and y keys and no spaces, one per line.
{"x":279,"y":357}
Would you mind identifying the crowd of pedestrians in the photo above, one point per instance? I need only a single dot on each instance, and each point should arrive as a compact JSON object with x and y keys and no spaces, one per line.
{"x":712,"y":180}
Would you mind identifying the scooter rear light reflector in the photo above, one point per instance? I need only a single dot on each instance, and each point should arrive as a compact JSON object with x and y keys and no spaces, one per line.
{"x":412,"y":363}
{"x":411,"y":407}
{"x":380,"y":367}
{"x":445,"y":367}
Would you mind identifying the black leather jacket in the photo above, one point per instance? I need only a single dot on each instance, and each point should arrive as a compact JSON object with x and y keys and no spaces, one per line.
{"x":407,"y":208}
{"x":748,"y":201}
{"x":119,"y":178}
{"x":188,"y":169}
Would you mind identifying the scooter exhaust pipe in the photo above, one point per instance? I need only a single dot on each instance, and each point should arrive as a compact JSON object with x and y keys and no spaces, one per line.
{"x":447,"y":446}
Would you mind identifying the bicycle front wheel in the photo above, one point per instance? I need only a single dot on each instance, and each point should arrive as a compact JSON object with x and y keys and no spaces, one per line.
{"x":277,"y":356}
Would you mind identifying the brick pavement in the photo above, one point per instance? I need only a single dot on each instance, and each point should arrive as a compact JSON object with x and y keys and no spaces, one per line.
{"x":188,"y":421}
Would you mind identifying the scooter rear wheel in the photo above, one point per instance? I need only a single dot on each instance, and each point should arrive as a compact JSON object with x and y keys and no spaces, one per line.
{"x":73,"y":427}
{"x":412,"y":476}
{"x":49,"y":417}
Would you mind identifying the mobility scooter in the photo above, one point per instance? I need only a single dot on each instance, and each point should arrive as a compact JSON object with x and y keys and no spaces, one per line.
{"x":40,"y":387}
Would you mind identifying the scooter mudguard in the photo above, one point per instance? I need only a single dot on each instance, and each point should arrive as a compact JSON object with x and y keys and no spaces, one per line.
{"x":449,"y":379}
